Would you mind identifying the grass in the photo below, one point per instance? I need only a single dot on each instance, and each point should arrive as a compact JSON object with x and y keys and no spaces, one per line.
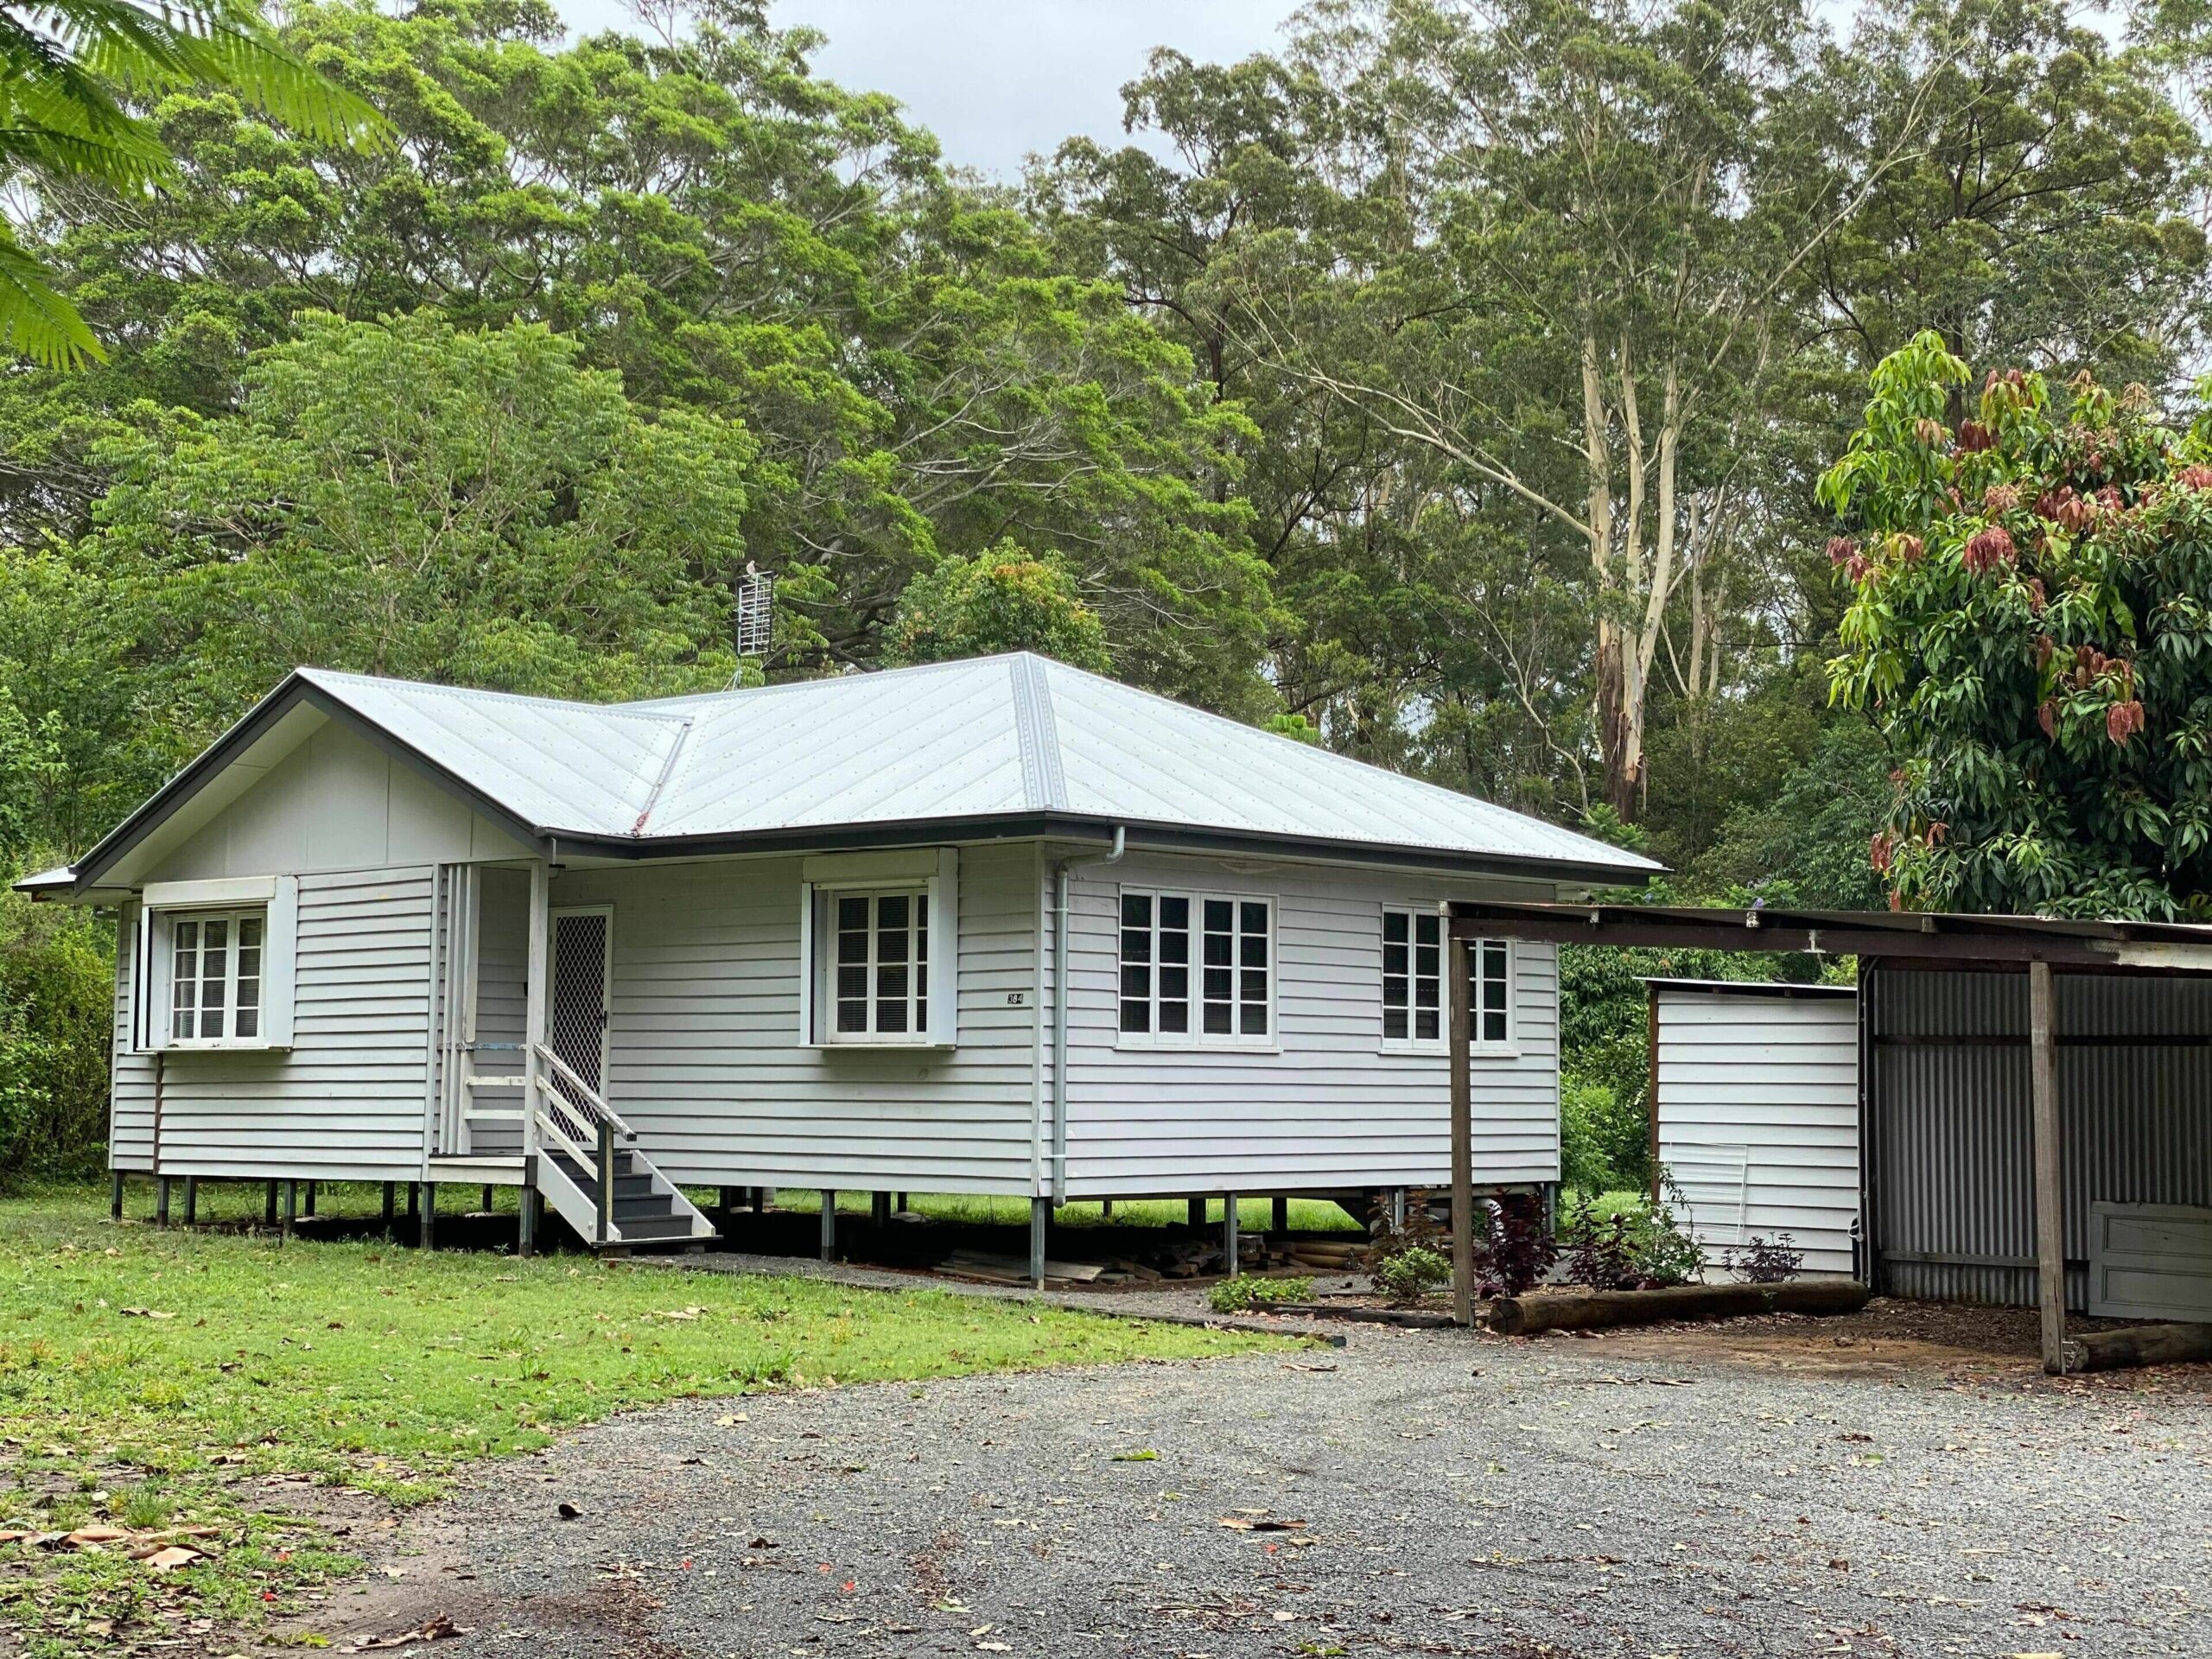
{"x":153,"y":1378}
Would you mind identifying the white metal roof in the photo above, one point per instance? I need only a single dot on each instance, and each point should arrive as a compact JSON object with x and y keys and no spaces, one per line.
{"x":1016,"y":737}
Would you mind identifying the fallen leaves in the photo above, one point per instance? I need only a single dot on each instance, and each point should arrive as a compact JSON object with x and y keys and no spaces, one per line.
{"x":146,"y":1313}
{"x":438,"y":1627}
{"x":1144,"y":1456}
{"x":1259,"y":1523}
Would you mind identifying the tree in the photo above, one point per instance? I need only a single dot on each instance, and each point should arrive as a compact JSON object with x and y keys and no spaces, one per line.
{"x":1006,"y":599}
{"x":734,"y":236}
{"x":69,"y":70}
{"x":2038,"y":207}
{"x":409,"y":498}
{"x":1607,"y":213}
{"x":2030,"y":628}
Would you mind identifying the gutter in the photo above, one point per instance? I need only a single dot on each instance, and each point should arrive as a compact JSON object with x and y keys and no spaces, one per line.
{"x":1061,"y":869}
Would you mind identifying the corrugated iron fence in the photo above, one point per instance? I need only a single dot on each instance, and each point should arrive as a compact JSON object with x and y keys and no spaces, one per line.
{"x":1948,"y":1148}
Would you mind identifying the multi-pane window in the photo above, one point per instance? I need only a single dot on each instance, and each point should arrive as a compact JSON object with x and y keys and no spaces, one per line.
{"x":1197,"y":968}
{"x":1412,"y":976}
{"x":881,"y":965}
{"x":215,"y":975}
{"x":1413,"y":982}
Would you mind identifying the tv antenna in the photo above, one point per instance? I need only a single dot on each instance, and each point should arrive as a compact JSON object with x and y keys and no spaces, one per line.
{"x":755,"y":627}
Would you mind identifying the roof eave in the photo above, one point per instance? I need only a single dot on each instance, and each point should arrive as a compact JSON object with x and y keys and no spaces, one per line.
{"x":1168,"y":838}
{"x":295,"y":689}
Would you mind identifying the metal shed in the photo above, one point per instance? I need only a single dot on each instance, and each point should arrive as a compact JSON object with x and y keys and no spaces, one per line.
{"x":1755,"y":1112}
{"x":2034,"y":1110}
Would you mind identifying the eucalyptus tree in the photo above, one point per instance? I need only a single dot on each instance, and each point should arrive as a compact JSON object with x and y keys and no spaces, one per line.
{"x":1607,"y":213}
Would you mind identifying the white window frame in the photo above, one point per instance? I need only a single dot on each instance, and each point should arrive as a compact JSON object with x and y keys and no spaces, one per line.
{"x":1197,"y":1037}
{"x":919,"y":939}
{"x":163,"y":905}
{"x":931,"y":875}
{"x":193,"y":924}
{"x":1503,"y":1046}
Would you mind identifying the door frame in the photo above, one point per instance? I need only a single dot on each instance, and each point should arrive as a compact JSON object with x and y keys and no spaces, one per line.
{"x":607,"y":976}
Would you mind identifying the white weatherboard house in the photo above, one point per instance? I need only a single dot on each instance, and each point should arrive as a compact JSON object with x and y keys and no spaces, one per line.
{"x":997,"y":927}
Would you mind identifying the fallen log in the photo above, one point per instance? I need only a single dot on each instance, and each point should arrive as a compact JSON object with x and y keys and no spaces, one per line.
{"x":2139,"y":1344}
{"x":1593,"y":1310}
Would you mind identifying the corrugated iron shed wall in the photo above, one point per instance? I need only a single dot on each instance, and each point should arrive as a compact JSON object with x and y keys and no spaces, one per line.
{"x":1948,"y":1128}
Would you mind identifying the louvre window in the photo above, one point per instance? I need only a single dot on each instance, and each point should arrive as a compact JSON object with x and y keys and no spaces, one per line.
{"x":215,"y":977}
{"x":1196,"y":969}
{"x":1414,"y":1014}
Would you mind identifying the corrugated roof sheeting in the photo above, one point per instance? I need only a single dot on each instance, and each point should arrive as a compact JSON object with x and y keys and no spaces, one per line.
{"x":1950,"y":1133}
{"x":578,"y":767}
{"x":990,"y":736}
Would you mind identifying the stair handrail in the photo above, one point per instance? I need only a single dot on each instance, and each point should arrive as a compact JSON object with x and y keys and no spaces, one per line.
{"x":591,"y":1102}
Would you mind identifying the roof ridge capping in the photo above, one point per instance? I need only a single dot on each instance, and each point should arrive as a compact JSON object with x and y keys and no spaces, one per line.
{"x":333,"y":680}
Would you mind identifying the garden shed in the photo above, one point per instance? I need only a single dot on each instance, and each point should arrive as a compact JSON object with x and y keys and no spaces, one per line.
{"x":2034,"y":1099}
{"x":1754,"y":1112}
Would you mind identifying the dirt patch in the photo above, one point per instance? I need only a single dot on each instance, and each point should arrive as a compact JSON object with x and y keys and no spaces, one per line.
{"x":1890,"y":1338}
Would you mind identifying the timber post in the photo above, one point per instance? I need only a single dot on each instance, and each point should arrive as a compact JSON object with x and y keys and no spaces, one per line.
{"x":1463,"y":1135}
{"x":535,"y":996}
{"x":427,"y":1238}
{"x":878,"y":1210}
{"x":829,"y":1224}
{"x":191,"y":1200}
{"x":605,"y":1195}
{"x":1041,"y":1211}
{"x":1282,"y":1212}
{"x":161,"y":1200}
{"x":1194,"y":1212}
{"x":1229,"y":1252}
{"x":115,"y":1196}
{"x":388,"y":1205}
{"x":526,"y":1223}
{"x":2049,"y":1165}
{"x":291,"y":1208}
{"x":309,"y":1200}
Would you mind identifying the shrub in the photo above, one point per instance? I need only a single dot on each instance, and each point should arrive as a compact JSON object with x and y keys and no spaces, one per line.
{"x":1244,"y":1295}
{"x":55,"y":1006}
{"x":1517,"y":1250}
{"x":1640,"y":1247}
{"x":1767,"y":1260}
{"x":1600,"y":1144}
{"x":1406,"y":1275}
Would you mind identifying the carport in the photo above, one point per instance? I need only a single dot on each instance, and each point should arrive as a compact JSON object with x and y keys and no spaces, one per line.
{"x":2100,"y":1067}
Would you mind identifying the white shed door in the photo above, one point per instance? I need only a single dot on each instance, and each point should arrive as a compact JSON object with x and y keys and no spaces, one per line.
{"x":583,"y":961}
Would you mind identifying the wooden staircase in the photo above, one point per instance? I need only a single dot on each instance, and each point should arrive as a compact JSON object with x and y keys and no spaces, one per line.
{"x":590,"y":1170}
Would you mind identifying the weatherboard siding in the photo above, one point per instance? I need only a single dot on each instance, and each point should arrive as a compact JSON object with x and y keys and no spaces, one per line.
{"x":1330,"y":1107}
{"x":347,"y":1100}
{"x":704,"y":1051}
{"x":1758,"y":1117}
{"x":131,"y":1077}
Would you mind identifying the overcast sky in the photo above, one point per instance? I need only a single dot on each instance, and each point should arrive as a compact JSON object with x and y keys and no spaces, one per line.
{"x":995,"y":80}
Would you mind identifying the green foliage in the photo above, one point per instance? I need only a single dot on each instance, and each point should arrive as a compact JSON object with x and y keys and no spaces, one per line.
{"x":1406,"y":1275}
{"x":1637,"y":1245}
{"x":1297,"y":727}
{"x":69,"y":71}
{"x":2029,"y":628}
{"x":1604,"y":1140}
{"x":56,"y":1013}
{"x":1246,"y":1293}
{"x":1004,"y":598}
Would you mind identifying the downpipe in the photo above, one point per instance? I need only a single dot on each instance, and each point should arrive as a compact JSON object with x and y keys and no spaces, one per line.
{"x":1060,"y":885}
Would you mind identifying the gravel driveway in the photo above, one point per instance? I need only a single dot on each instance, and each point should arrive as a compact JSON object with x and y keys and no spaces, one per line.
{"x":1459,"y":1495}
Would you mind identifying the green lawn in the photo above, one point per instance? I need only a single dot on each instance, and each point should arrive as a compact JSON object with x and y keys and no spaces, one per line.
{"x":151,"y":1379}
